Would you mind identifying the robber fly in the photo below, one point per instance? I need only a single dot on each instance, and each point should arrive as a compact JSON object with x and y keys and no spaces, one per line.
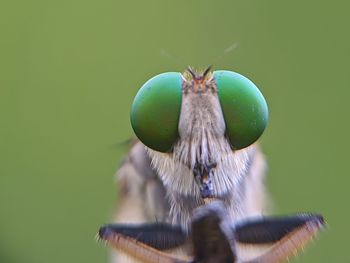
{"x":193,"y":182}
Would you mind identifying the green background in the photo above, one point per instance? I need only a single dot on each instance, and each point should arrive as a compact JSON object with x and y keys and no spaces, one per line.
{"x":69,"y":70}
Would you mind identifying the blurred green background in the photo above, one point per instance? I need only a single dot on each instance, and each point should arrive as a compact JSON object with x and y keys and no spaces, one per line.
{"x":68,"y":74}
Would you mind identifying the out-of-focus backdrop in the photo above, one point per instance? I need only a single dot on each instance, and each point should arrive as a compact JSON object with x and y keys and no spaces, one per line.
{"x":69,"y":70}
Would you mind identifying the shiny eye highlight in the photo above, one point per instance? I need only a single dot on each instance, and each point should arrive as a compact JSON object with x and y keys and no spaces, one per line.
{"x":155,"y":111}
{"x":244,"y":108}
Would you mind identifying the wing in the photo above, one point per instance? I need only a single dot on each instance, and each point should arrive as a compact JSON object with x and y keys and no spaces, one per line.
{"x":276,"y":239}
{"x":144,"y":242}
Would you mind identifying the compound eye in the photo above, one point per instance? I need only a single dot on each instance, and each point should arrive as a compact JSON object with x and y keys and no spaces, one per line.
{"x":155,"y":111}
{"x":244,"y":108}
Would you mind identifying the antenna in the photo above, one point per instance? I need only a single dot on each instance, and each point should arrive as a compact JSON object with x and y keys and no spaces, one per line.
{"x":227,"y":50}
{"x":179,"y":61}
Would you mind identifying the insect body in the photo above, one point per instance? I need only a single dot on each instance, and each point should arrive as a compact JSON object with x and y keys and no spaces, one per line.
{"x":197,"y":136}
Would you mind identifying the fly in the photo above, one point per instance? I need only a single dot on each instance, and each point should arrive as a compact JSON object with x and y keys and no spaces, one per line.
{"x":192,"y":183}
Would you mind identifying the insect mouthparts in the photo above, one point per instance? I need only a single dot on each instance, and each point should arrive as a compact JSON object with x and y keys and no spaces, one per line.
{"x":203,"y":177}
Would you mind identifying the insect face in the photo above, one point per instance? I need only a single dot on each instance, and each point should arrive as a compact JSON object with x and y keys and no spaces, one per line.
{"x":197,"y":127}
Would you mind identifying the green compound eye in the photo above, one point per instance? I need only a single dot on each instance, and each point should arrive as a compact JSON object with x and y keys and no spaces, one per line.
{"x":155,"y":111}
{"x":244,"y":108}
